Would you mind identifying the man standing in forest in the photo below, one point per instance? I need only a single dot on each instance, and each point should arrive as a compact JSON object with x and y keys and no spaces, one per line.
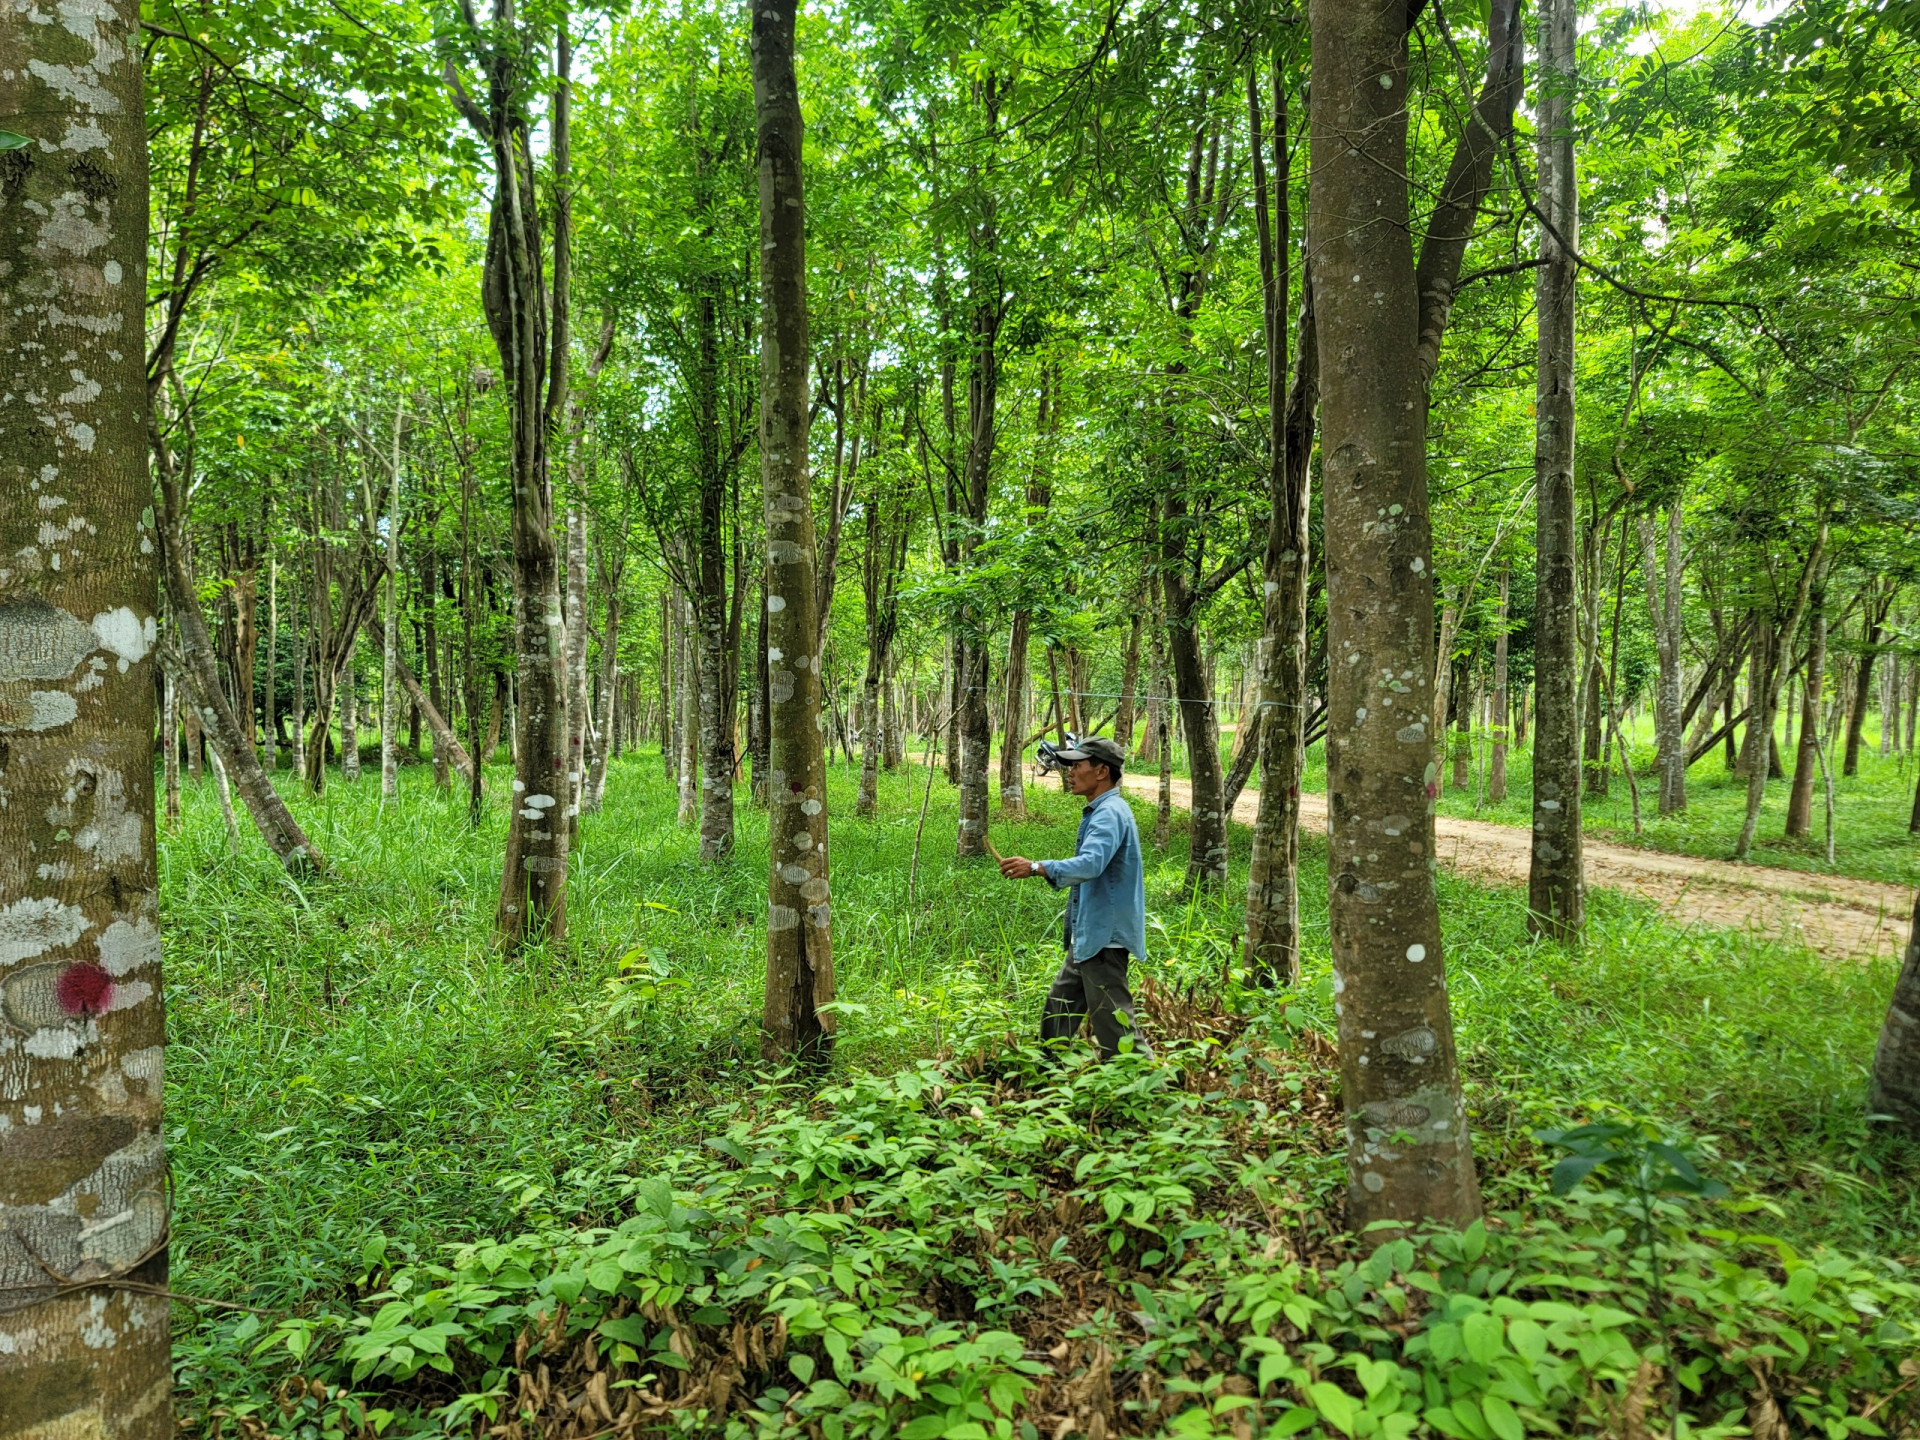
{"x":1106,"y":921}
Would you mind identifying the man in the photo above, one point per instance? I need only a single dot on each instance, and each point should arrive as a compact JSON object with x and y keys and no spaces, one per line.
{"x":1106,"y":909}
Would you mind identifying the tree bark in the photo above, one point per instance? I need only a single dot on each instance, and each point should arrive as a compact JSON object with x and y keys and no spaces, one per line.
{"x":1895,"y":1091}
{"x":1409,"y":1154}
{"x":1272,"y":920}
{"x":170,"y":744}
{"x":612,"y":564}
{"x":390,"y":628}
{"x":83,"y":1172}
{"x":1125,"y":717}
{"x":1873,"y":622}
{"x":1807,"y":760}
{"x":799,"y":929}
{"x":1013,"y":789}
{"x":533,"y":363}
{"x":1497,"y":762}
{"x":269,"y":737}
{"x":1765,"y":695}
{"x":1664,"y":579}
{"x":350,"y":718}
{"x":284,"y":837}
{"x":687,"y":722}
{"x":1556,"y":879}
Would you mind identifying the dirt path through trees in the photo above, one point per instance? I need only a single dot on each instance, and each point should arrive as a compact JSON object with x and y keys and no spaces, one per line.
{"x":1840,"y":917}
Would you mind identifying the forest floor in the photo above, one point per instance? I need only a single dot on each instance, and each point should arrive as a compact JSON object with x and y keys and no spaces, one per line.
{"x":362,"y":1093}
{"x":1838,"y":915}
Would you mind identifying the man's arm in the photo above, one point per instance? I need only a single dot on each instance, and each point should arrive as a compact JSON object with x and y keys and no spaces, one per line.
{"x":1096,"y":851}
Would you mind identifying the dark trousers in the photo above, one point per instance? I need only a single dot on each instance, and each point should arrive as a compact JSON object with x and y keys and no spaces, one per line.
{"x":1093,"y":990}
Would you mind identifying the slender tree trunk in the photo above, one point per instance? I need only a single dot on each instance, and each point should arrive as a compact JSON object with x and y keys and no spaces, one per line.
{"x":225,"y":793}
{"x":1663,"y":581}
{"x":1272,"y":920}
{"x":350,"y":718}
{"x":609,"y":690}
{"x":296,"y":752}
{"x":757,"y":713}
{"x":1013,"y":789}
{"x":1125,"y":717}
{"x":1497,"y":762}
{"x":579,"y":705}
{"x":1199,"y":724}
{"x":390,"y":632}
{"x":1806,"y":761}
{"x":688,"y":722}
{"x":1409,"y":1154}
{"x":1556,"y":882}
{"x":533,"y":360}
{"x":799,"y":929}
{"x":83,"y":1171}
{"x":1870,"y":636}
{"x":1463,"y":703}
{"x":669,"y":743}
{"x":1895,"y":1091}
{"x":269,"y":738}
{"x":956,"y":705}
{"x":284,"y":837}
{"x":438,"y":693}
{"x":170,"y":745}
{"x":1766,"y":694}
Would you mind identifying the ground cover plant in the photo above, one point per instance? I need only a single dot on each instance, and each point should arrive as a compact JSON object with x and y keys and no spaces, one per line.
{"x":558,"y":1192}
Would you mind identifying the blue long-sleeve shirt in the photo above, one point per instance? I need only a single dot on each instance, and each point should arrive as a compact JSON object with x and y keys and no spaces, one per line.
{"x":1108,"y":903}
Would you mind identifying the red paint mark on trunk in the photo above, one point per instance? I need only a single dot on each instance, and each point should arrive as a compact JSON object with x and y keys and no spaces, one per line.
{"x":84,"y":989}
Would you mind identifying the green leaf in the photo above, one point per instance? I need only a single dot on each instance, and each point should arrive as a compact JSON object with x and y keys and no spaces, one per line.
{"x":1501,"y":1417}
{"x":630,"y":1328}
{"x":605,"y":1275}
{"x":1484,"y":1336}
{"x":1801,"y":1286}
{"x":1334,"y":1404}
{"x":11,"y":141}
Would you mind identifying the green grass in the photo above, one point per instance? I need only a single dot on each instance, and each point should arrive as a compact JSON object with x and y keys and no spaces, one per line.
{"x":350,"y":1057}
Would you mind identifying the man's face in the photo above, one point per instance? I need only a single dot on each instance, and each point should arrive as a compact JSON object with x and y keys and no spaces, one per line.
{"x":1085,"y":777}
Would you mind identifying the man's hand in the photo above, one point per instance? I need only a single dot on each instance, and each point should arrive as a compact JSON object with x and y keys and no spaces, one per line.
{"x":1016,"y":867}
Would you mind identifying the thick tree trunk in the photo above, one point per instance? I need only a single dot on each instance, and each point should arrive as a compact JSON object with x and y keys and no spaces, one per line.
{"x":1806,"y":761}
{"x":1272,"y":921}
{"x":1497,"y":762}
{"x":716,"y":708}
{"x":1895,"y":1091}
{"x":1410,"y":1158}
{"x":758,"y":706}
{"x":799,"y":930}
{"x":1556,"y":880}
{"x":83,"y":1171}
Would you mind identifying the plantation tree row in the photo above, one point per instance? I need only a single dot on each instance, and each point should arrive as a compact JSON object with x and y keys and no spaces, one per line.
{"x":1404,"y":386}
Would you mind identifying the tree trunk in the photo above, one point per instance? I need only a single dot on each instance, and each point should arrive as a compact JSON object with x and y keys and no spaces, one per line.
{"x":669,"y":743}
{"x":533,"y":363}
{"x":1013,"y":789}
{"x":83,"y":1171}
{"x":1871,"y":623}
{"x":1125,"y":716}
{"x":1199,"y":724}
{"x":1556,"y":881}
{"x":269,"y":738}
{"x":390,"y":630}
{"x":1497,"y":763}
{"x":687,"y":722}
{"x":956,"y":705}
{"x":284,"y":837}
{"x":1765,"y":698}
{"x":1895,"y":1091}
{"x":1664,"y":581}
{"x":350,"y":718}
{"x":579,"y":704}
{"x":1806,"y":761}
{"x":170,"y":745}
{"x":1463,"y":702}
{"x":609,"y":717}
{"x":431,"y":581}
{"x":1409,"y":1154}
{"x":1272,"y":919}
{"x":799,"y":931}
{"x":758,"y":706}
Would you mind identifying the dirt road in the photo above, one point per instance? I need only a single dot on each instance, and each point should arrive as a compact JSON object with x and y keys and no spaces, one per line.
{"x":1839,"y":916}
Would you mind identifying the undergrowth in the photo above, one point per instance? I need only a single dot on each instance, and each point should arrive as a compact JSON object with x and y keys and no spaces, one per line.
{"x":361,"y":1092}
